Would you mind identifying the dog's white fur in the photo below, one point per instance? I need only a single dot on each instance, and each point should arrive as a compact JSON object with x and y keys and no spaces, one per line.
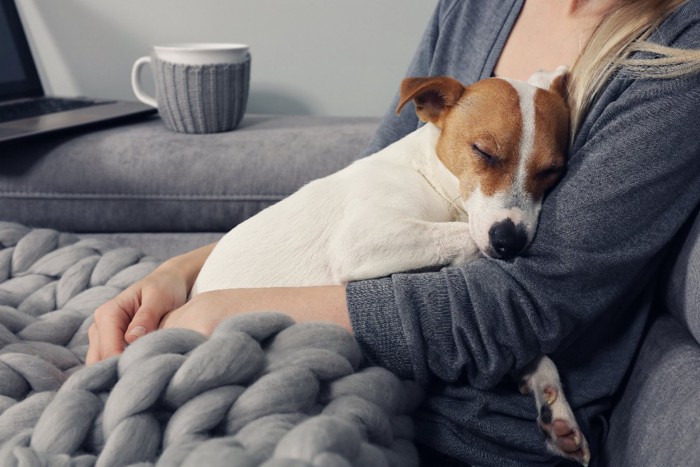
{"x":398,"y":210}
{"x":344,"y":227}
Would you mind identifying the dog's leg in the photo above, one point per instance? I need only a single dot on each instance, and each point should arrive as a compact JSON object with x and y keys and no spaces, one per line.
{"x":404,"y":245}
{"x":555,"y":419}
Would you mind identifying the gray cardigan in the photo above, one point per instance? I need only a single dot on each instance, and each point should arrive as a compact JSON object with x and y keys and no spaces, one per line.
{"x":583,"y":291}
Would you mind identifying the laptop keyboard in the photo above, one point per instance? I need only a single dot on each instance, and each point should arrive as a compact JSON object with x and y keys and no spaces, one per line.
{"x":42,"y":106}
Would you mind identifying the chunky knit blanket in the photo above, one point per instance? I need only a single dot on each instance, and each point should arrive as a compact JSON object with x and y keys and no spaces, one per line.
{"x":261,"y":390}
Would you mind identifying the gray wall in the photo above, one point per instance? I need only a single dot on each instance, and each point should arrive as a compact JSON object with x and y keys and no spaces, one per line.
{"x":318,"y":57}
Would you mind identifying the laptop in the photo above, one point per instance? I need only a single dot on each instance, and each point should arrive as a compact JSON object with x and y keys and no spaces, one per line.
{"x":24,"y":108}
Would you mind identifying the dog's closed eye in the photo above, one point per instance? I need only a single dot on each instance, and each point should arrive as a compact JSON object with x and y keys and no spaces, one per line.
{"x":551,"y":172}
{"x":484,"y":154}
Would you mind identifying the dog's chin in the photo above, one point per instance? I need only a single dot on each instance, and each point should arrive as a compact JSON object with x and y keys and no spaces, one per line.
{"x":490,"y":253}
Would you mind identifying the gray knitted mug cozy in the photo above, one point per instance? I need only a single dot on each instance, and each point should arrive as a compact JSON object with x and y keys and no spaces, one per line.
{"x":201,"y":98}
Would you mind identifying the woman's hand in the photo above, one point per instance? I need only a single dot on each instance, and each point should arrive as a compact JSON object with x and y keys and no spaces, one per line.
{"x":206,"y":310}
{"x":134,"y":312}
{"x":139,"y":309}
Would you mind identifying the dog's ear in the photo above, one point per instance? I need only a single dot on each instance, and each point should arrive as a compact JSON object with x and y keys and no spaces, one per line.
{"x":432,"y":96}
{"x":556,"y":81}
{"x":560,"y":84}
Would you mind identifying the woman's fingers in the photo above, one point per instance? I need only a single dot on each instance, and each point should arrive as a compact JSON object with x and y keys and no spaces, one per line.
{"x":93,"y":353}
{"x":147,"y":318}
{"x":111,"y":321}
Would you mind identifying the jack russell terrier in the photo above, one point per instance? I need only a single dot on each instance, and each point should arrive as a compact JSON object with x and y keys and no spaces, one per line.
{"x":470,"y":182}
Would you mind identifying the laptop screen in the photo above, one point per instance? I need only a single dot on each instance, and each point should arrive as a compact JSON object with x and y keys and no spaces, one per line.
{"x":18,"y":75}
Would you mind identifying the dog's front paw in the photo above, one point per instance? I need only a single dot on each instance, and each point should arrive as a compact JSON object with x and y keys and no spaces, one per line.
{"x":454,"y":243}
{"x":465,"y":256}
{"x":557,"y":422}
{"x":465,"y":251}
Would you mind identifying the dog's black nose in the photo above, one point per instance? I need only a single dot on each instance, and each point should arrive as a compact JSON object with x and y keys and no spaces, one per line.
{"x":506,"y":239}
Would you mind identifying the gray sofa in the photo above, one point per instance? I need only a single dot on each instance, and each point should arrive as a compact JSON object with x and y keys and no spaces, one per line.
{"x":140,"y":185}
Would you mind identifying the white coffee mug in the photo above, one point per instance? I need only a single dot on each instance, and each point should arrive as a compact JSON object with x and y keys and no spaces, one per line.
{"x":195,"y":53}
{"x":200,"y":88}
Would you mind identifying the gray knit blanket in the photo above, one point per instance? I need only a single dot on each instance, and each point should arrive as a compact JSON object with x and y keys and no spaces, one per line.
{"x":261,"y":390}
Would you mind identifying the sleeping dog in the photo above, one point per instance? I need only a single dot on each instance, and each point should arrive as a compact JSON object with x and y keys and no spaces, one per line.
{"x":468,"y":183}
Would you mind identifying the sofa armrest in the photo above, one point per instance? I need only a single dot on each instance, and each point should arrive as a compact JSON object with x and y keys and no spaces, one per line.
{"x":682,"y":293}
{"x":143,"y":178}
{"x":656,"y":421}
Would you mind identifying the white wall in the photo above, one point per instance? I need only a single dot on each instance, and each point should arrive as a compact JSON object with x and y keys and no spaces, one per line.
{"x":318,"y":57}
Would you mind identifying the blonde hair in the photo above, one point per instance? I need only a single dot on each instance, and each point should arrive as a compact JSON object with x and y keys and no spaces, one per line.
{"x":623,"y":31}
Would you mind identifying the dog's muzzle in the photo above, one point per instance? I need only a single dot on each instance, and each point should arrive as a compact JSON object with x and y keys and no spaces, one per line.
{"x":506,"y":240}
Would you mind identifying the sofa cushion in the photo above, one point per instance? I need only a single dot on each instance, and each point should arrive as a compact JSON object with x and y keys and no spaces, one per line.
{"x":656,"y":422}
{"x":683,"y":286}
{"x":142,"y":177}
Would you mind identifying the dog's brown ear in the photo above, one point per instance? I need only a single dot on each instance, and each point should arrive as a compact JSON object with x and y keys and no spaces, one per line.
{"x":556,"y":81}
{"x":560,"y":85}
{"x":432,"y":96}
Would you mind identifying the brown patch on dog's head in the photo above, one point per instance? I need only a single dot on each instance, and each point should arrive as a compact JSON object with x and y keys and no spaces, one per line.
{"x":480,"y":140}
{"x":547,"y":162}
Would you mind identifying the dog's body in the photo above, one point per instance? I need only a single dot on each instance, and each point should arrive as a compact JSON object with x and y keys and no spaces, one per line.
{"x":339,"y":229}
{"x":468,"y":183}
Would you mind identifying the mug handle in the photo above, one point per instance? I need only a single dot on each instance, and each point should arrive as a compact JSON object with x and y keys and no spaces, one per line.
{"x":136,"y":85}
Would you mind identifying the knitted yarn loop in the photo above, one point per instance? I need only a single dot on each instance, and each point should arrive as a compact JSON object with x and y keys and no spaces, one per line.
{"x":260,"y":391}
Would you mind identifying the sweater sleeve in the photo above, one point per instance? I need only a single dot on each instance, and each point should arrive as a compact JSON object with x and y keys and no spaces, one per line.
{"x":629,"y":188}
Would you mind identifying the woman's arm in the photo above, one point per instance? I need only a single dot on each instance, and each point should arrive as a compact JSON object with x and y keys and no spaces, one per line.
{"x":160,"y":301}
{"x":206,"y":310}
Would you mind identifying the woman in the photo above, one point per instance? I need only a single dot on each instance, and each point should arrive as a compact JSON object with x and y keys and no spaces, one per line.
{"x":582,"y":292}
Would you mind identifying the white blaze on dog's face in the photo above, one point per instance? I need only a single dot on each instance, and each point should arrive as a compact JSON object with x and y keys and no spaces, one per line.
{"x":505,"y":141}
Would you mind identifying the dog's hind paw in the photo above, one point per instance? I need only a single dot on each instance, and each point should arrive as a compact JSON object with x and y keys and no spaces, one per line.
{"x":557,"y":422}
{"x":554,"y":415}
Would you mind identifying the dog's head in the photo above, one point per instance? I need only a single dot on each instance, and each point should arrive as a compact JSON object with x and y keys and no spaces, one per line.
{"x":505,"y":141}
